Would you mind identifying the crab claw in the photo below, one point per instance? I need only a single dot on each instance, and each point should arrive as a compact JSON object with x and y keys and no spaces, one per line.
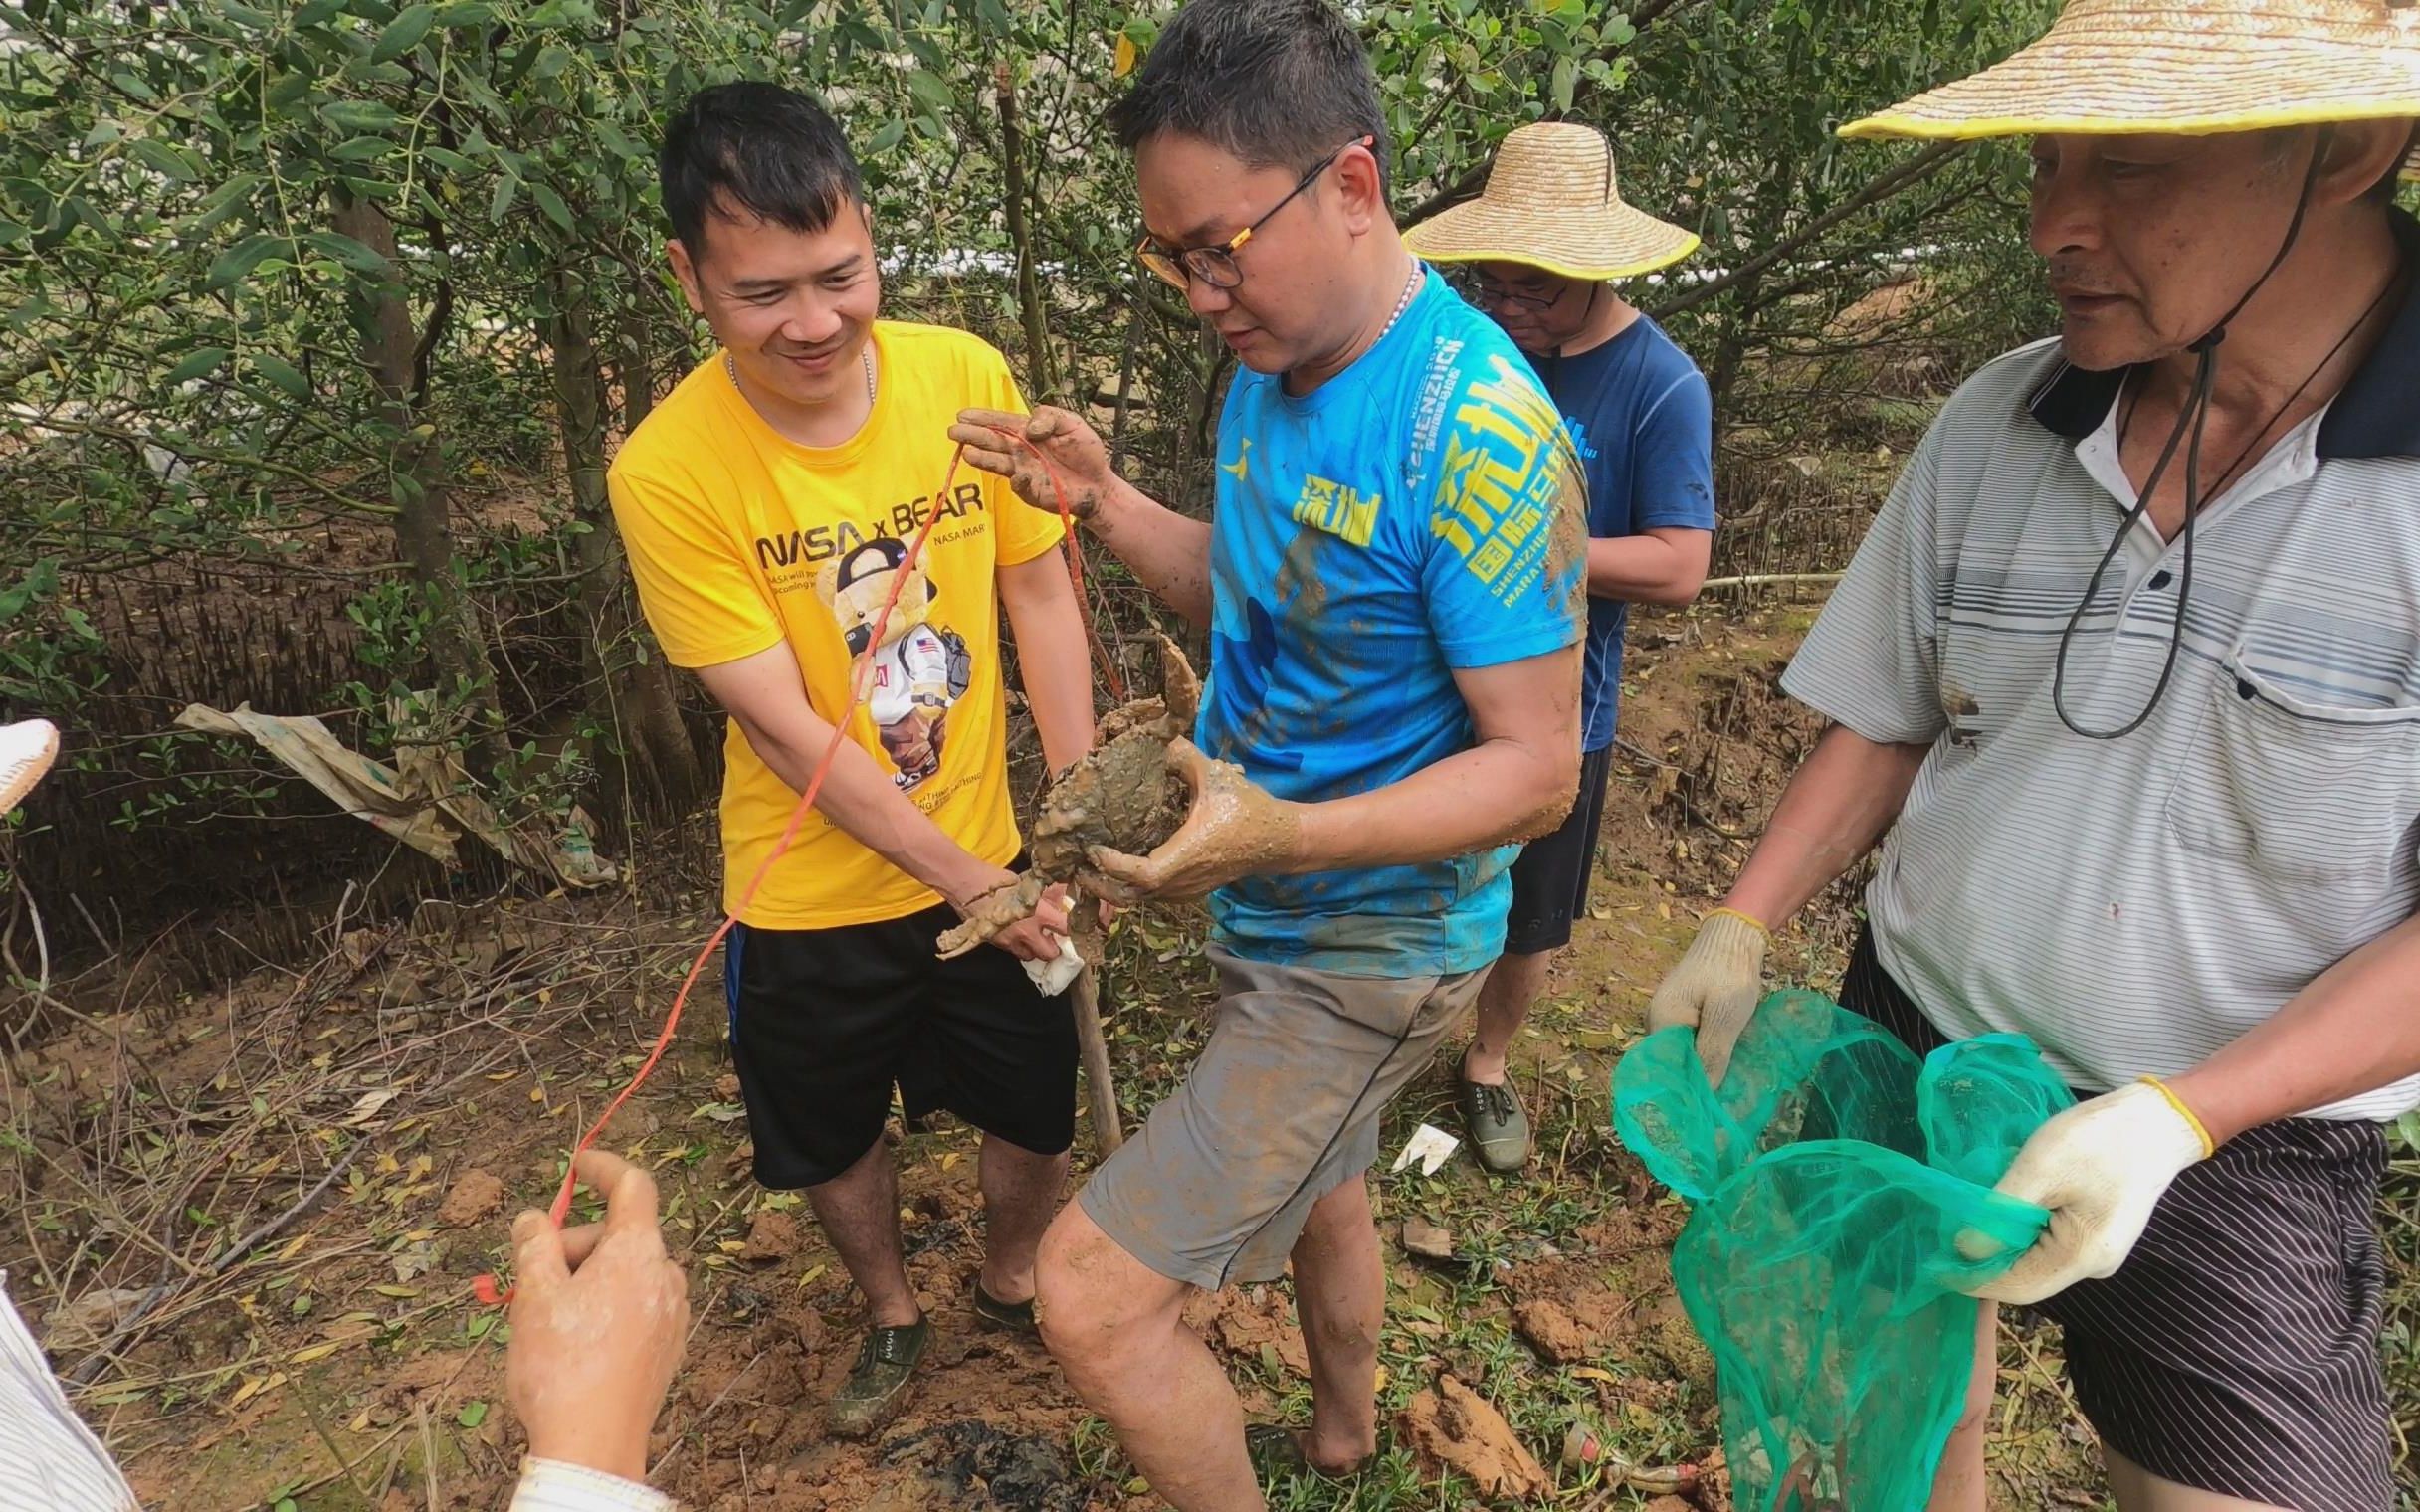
{"x":1180,"y":689}
{"x":1009,"y":903}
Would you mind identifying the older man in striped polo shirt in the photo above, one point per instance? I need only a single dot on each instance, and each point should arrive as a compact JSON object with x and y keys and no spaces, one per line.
{"x":2127,"y":682}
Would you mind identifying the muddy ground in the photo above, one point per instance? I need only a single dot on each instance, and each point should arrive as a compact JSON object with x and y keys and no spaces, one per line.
{"x":243,"y":1349}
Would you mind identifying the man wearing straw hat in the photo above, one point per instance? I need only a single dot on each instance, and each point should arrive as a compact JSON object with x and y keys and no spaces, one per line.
{"x":1541,"y":245}
{"x":2125,"y":680}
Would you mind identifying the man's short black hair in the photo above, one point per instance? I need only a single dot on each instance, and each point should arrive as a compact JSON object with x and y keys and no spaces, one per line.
{"x":758,"y":149}
{"x":1280,"y":83}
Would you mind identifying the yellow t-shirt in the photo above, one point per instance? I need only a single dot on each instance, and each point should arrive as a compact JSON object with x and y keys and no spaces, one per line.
{"x":739,"y":538}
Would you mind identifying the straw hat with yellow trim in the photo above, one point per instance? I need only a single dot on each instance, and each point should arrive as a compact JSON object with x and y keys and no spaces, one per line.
{"x":1552,"y":202}
{"x":2189,"y":68}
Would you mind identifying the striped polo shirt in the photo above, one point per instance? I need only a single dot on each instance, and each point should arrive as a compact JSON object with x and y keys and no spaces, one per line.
{"x":2135,"y":904}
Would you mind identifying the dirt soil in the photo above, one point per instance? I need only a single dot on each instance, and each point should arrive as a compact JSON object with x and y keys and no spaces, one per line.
{"x":271,"y":1199}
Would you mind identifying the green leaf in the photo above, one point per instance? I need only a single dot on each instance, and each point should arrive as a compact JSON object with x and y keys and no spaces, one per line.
{"x":470,"y":13}
{"x":237,"y":263}
{"x":287,"y":90}
{"x":361,"y":149}
{"x":499,"y":204}
{"x":472,"y":1414}
{"x":356,"y":115}
{"x":316,"y":12}
{"x":199,"y":363}
{"x":162,"y":160}
{"x":1566,"y":77}
{"x":885,"y":137}
{"x":404,"y":32}
{"x":282,"y":373}
{"x":352,"y":254}
{"x":552,"y":204}
{"x":931,"y":90}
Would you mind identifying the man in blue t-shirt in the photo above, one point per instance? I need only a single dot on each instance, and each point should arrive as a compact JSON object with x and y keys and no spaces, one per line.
{"x":1539,"y":248}
{"x":1393,"y":585}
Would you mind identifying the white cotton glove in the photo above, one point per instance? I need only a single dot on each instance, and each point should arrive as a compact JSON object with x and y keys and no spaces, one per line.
{"x":1716,"y":988}
{"x":2100,"y":1168}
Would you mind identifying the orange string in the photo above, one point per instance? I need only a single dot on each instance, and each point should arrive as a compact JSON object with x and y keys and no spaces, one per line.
{"x":485,"y":1287}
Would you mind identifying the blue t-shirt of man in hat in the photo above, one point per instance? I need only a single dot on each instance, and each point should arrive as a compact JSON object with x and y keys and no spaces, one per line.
{"x":1643,"y":420}
{"x":1416,"y":514}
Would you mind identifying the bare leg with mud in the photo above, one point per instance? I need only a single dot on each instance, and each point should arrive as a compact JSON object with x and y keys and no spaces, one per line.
{"x":860,"y":1211}
{"x":1117,"y":1328}
{"x":1512,"y":985}
{"x":1339,"y":1287}
{"x":1020,"y":1191}
{"x":1960,"y":1484}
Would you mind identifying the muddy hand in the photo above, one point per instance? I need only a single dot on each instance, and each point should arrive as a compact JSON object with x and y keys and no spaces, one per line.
{"x":1082,"y":462}
{"x":1012,"y":912}
{"x":1234,"y":829}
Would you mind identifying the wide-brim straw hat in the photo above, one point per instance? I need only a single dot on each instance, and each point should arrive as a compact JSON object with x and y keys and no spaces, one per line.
{"x":1552,"y":201}
{"x":2191,"y":67}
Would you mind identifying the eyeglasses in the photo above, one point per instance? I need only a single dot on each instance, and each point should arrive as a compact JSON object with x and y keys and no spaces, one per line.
{"x":1215,"y":265}
{"x":1488,"y":294}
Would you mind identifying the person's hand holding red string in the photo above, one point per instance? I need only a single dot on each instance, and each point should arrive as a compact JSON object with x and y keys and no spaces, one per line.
{"x":1052,"y":438}
{"x":599,"y":1317}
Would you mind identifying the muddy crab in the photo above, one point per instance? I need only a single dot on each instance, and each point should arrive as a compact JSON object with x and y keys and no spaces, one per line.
{"x":1125,"y":794}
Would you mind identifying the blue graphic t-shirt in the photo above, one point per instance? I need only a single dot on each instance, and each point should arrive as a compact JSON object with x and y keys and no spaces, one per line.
{"x":1643,"y":420}
{"x":1417,"y":513}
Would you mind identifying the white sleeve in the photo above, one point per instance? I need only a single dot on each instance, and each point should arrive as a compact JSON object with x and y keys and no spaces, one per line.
{"x":549,"y":1485}
{"x":1872,"y":661}
{"x":47,"y":1454}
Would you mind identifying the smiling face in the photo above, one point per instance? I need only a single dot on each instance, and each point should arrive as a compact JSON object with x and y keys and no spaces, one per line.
{"x":1300,"y":289}
{"x":793,"y":307}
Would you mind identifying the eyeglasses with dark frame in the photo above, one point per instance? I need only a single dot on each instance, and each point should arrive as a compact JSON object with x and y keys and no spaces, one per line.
{"x":1215,"y":264}
{"x":1485,"y":293}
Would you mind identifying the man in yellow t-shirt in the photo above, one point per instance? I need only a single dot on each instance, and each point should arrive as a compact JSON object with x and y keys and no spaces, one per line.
{"x":769,"y":506}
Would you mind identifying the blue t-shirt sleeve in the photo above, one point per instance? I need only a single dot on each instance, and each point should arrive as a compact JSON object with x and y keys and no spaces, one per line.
{"x":1505,"y":570}
{"x":1672,"y":456}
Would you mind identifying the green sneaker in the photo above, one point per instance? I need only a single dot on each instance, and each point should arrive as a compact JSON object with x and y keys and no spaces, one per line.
{"x":1500,"y":1130}
{"x":877,"y":1384}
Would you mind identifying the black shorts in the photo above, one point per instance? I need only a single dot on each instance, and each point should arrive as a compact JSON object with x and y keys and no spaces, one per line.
{"x":2237,"y":1349}
{"x":824,"y":1022}
{"x":1550,"y":879}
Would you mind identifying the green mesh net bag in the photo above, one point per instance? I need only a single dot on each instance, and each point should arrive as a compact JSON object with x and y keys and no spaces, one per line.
{"x":1840,"y":1188}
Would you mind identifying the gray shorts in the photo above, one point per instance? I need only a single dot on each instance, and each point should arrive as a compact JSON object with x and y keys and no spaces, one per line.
{"x":1280,"y":1109}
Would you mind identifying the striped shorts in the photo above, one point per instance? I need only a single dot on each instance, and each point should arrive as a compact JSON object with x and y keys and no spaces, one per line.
{"x":2237,"y":1349}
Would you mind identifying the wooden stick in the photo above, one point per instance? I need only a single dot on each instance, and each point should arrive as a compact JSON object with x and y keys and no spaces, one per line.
{"x":1761,"y":579}
{"x":1099,"y":1089}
